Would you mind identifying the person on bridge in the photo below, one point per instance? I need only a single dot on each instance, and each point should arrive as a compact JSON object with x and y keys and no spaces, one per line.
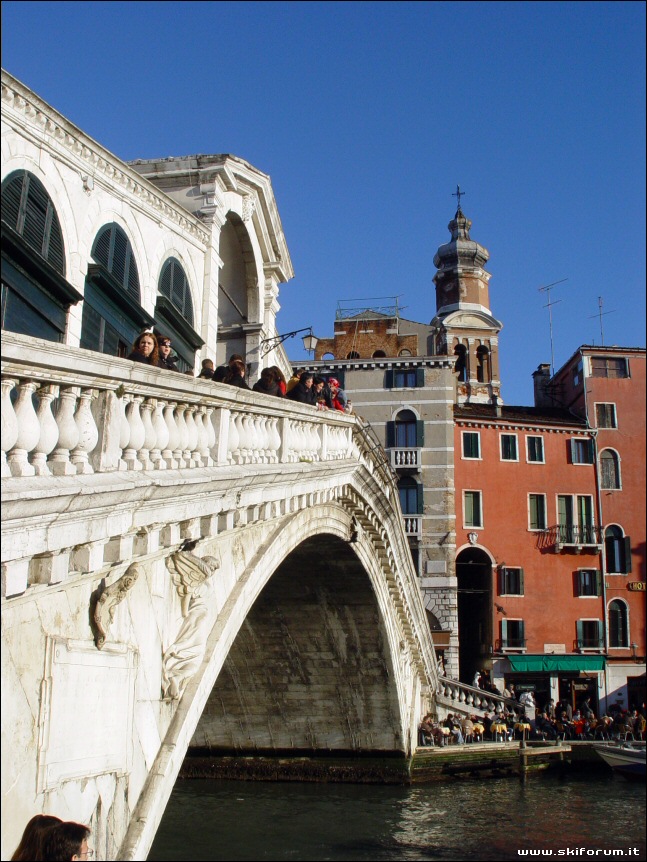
{"x":66,"y":841}
{"x":235,"y":376}
{"x":165,"y":360}
{"x":303,"y":392}
{"x":145,"y":349}
{"x":30,"y":847}
{"x":267,"y":383}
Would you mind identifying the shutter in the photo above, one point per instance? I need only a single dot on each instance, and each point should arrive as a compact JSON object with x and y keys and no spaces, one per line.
{"x":522,"y":632}
{"x":580,"y":633}
{"x":600,"y":633}
{"x":390,"y":435}
{"x":119,"y":256}
{"x":56,"y":252}
{"x":420,"y":433}
{"x":598,"y":582}
{"x":572,"y":452}
{"x":165,"y":281}
{"x":420,"y":377}
{"x":627,"y":560}
{"x":521,"y":585}
{"x":420,"y":489}
{"x":35,"y":215}
{"x":502,"y":581}
{"x":101,"y":250}
{"x":504,"y":633}
{"x":11,"y":197}
{"x":388,"y":378}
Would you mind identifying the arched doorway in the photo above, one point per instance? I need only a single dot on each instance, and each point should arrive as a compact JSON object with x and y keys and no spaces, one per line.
{"x":474,"y":577}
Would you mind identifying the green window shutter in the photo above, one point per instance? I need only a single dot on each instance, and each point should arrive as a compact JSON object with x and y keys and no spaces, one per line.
{"x":580,"y":632}
{"x":390,"y":435}
{"x":388,"y":378}
{"x":420,"y":491}
{"x":420,"y":377}
{"x":420,"y":433}
{"x":504,"y":632}
{"x":521,"y":583}
{"x":600,"y":632}
{"x":522,"y":632}
{"x":598,"y":582}
{"x":502,"y":581}
{"x":627,"y":554}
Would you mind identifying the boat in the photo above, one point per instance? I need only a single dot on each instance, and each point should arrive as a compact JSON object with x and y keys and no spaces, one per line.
{"x":625,"y":759}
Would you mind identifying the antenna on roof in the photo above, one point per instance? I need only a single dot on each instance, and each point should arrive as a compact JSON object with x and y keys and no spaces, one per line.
{"x":601,"y":314}
{"x":549,"y":304}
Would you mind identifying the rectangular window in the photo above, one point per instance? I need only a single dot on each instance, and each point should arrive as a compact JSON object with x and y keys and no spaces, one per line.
{"x":611,"y":367}
{"x":404,"y":379}
{"x":471,"y":444}
{"x":513,"y":635}
{"x":535,"y":449}
{"x":605,"y":415}
{"x":581,"y":450}
{"x":589,"y":582}
{"x":589,"y":634}
{"x":509,"y":447}
{"x":537,"y":512}
{"x":510,"y":581}
{"x":472,"y":509}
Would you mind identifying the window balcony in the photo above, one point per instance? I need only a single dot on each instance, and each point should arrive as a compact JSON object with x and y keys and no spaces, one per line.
{"x":405,"y":458}
{"x":587,"y":644}
{"x":413,"y":525}
{"x":563,"y":537}
{"x":509,"y":643}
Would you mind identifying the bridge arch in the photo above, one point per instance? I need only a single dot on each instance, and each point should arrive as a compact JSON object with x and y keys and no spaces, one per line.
{"x":264,"y":560}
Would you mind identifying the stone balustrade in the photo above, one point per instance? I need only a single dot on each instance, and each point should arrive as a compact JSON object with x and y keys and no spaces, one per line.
{"x":466,"y":699}
{"x":63,"y":415}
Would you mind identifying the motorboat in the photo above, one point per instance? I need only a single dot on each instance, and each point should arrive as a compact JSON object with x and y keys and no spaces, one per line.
{"x":625,"y":759}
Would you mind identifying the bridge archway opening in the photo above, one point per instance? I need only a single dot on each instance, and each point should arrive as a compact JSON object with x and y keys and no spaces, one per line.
{"x":474,"y":577}
{"x":310,"y":669}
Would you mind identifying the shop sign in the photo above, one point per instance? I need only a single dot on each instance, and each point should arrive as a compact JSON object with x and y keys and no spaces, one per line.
{"x":636,"y":586}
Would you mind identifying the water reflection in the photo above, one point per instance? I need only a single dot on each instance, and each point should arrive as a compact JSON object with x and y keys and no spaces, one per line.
{"x":471,"y":820}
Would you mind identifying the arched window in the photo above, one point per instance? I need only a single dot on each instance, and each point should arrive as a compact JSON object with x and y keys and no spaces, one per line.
{"x":352,"y":355}
{"x":460,"y":352}
{"x":410,"y":493}
{"x":404,"y":352}
{"x":617,"y":549}
{"x":112,"y":314}
{"x":483,"y":365}
{"x":35,"y":294}
{"x":609,"y":469}
{"x":28,"y":209}
{"x":174,"y":313}
{"x":406,"y":429}
{"x":618,"y":624}
{"x":378,"y":354}
{"x":112,"y":249}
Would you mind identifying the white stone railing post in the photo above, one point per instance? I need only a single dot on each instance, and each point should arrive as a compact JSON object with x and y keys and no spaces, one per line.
{"x":88,"y":432}
{"x":182,"y":454}
{"x":48,"y":430}
{"x":150,"y":437}
{"x":28,"y":430}
{"x":173,"y":442}
{"x":9,"y":422}
{"x":161,"y":435}
{"x":137,"y":434}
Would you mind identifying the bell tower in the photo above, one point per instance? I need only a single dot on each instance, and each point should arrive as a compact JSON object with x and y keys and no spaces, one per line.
{"x":464,"y":326}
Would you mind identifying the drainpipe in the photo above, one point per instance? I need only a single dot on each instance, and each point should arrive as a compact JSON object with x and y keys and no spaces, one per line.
{"x":598,"y":493}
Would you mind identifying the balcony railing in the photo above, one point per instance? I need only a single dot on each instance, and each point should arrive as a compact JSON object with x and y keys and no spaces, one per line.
{"x":511,"y":643}
{"x":596,"y":643}
{"x":405,"y":458}
{"x":573,"y":536}
{"x":412,"y":525}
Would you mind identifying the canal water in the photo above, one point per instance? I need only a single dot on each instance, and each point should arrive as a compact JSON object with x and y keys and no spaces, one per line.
{"x":470,"y":819}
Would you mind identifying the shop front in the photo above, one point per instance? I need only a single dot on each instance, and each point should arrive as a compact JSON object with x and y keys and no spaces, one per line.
{"x":570,"y":678}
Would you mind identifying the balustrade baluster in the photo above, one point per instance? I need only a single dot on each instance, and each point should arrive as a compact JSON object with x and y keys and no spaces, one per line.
{"x":88,"y":432}
{"x":150,"y":437}
{"x":173,"y":442}
{"x":161,"y":435}
{"x":180,"y":452}
{"x":68,"y":433}
{"x":137,"y":434}
{"x":28,"y":430}
{"x":212,"y":455}
{"x":194,"y":458}
{"x":203,"y":436}
{"x":9,"y":422}
{"x":48,"y":430}
{"x":233,"y":438}
{"x":124,"y":431}
{"x":275,"y":439}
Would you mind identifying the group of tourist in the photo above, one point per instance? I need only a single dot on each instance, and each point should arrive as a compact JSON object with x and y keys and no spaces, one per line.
{"x":51,"y":839}
{"x":154,"y":349}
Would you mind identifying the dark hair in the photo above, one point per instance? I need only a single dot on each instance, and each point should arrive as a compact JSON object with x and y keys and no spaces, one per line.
{"x":155,"y":355}
{"x":318,"y":379}
{"x":236,"y":357}
{"x":236,"y":369}
{"x":32,"y":838}
{"x":268,"y":375}
{"x":305,"y":376}
{"x":63,"y":841}
{"x":280,"y":377}
{"x":207,"y":363}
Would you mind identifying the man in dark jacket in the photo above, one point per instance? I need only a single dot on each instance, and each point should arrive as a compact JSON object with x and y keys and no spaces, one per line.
{"x":302,"y":392}
{"x":165,"y":360}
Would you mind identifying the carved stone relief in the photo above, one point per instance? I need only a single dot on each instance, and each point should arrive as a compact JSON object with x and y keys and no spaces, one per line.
{"x":104,"y":601}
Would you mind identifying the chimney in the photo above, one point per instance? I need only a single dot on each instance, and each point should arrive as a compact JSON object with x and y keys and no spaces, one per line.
{"x":541,"y":379}
{"x":497,"y":406}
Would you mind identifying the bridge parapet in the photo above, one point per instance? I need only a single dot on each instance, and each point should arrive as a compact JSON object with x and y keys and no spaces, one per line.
{"x":457,"y":697}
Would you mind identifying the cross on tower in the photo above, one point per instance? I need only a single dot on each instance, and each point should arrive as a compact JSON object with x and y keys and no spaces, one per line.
{"x":458,"y":194}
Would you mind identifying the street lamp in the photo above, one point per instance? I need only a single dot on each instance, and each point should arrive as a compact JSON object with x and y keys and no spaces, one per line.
{"x":309,"y":341}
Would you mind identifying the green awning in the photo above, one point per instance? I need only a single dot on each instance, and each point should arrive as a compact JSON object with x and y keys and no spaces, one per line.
{"x":552,"y":663}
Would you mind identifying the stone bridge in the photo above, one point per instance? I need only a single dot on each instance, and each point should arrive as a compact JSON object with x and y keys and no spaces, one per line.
{"x":189,"y":565}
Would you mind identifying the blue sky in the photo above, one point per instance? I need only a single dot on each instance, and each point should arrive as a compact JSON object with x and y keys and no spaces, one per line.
{"x":366,"y":116}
